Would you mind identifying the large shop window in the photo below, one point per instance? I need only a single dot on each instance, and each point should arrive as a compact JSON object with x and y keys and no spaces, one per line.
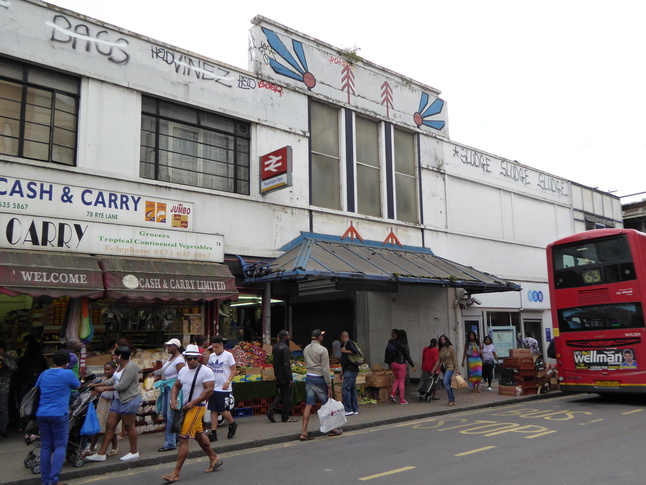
{"x":368,"y":167}
{"x":405,"y":176}
{"x":326,"y":170}
{"x":187,"y":146}
{"x":38,"y":113}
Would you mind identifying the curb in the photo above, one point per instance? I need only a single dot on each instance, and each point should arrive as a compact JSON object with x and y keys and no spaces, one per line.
{"x":88,"y":470}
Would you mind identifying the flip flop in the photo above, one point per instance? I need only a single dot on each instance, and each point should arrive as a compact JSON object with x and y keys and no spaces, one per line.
{"x":305,"y":438}
{"x":169,"y":479}
{"x":217,"y":465}
{"x":335,"y":432}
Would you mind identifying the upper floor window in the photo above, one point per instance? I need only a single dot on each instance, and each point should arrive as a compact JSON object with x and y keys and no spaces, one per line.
{"x":188,"y":146}
{"x":38,"y":113}
{"x":368,"y":167}
{"x":326,"y":169}
{"x":405,"y":176}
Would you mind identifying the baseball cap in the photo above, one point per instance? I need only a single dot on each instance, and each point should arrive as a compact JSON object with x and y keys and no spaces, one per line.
{"x":192,"y":350}
{"x":174,"y":341}
{"x":316,"y":333}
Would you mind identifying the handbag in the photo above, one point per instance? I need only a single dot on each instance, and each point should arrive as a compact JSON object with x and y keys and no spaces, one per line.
{"x":180,"y":414}
{"x":29,"y":403}
{"x":91,"y":425}
{"x":357,"y":358}
{"x":331,"y":416}
{"x":458,"y":382}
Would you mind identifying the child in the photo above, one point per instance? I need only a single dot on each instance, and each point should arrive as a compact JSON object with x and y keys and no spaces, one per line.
{"x":103,"y":408}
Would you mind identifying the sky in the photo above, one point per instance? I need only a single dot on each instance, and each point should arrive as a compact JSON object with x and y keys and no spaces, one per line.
{"x":559,"y":86}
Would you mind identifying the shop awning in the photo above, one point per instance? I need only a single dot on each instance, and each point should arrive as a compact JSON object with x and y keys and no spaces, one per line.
{"x":36,"y":273}
{"x":165,"y":279}
{"x":321,"y":256}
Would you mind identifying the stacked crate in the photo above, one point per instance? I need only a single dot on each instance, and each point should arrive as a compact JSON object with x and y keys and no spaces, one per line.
{"x":521,"y":362}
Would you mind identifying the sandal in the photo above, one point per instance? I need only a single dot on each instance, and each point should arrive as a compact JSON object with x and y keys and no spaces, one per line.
{"x":305,"y":437}
{"x":335,"y":432}
{"x":113,"y":452}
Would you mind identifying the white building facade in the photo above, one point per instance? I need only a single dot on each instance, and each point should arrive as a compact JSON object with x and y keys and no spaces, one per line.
{"x":117,"y":145}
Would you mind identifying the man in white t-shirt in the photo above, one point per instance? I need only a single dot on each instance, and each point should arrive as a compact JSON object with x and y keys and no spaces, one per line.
{"x":223,"y":365}
{"x":196,"y":383}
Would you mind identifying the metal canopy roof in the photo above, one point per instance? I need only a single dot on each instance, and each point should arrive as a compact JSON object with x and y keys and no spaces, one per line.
{"x":329,"y":257}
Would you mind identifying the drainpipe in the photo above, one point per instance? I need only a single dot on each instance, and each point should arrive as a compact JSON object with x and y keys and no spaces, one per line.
{"x":266,"y":311}
{"x":458,"y":329}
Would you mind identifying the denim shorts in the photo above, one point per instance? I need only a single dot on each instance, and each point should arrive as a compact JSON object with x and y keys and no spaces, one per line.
{"x":315,"y":387}
{"x":129,"y":407}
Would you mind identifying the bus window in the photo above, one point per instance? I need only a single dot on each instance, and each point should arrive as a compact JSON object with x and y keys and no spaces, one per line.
{"x":601,"y":317}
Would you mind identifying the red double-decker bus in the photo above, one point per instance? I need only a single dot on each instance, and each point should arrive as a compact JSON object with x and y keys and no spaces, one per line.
{"x":597,"y":294}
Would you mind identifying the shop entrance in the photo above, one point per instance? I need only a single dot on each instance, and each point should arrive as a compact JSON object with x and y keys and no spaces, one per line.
{"x":331,"y":316}
{"x":535,"y":328}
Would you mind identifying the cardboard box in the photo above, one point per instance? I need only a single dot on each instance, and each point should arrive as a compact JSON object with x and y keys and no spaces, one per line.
{"x":510,"y":390}
{"x":98,"y":360}
{"x":293,"y":346}
{"x":376,"y":368}
{"x":252,"y":370}
{"x":379,"y":380}
{"x":361,"y":378}
{"x":380,"y":394}
{"x":268,"y":374}
{"x":520,"y":353}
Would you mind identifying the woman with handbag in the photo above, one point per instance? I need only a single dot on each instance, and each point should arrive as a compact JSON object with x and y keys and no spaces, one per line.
{"x":55,"y":386}
{"x":448,"y":361}
{"x":399,"y":367}
{"x":124,"y":406}
{"x":473,"y":356}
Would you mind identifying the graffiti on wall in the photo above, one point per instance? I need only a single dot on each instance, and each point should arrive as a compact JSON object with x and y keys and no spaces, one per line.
{"x":246,"y":82}
{"x":191,"y":67}
{"x":510,"y":171}
{"x":292,"y":66}
{"x":387,"y":97}
{"x":83,"y":37}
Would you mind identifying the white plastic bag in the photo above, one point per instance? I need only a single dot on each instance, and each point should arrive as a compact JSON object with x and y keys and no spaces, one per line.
{"x":331,"y":415}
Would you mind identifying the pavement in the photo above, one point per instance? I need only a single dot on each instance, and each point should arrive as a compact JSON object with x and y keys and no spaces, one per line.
{"x":255,"y":431}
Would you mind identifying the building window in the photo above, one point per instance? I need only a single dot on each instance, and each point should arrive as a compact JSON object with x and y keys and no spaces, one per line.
{"x":38,"y":113}
{"x":368,"y":167}
{"x":187,"y":146}
{"x":405,"y":176}
{"x":326,"y":170}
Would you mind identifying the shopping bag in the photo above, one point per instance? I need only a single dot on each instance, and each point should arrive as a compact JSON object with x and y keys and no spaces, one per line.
{"x":91,"y":424}
{"x":29,"y":403}
{"x":178,"y":421}
{"x":331,"y":415}
{"x":458,"y":382}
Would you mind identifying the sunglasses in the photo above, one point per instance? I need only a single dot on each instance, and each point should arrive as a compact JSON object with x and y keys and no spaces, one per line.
{"x":188,"y":359}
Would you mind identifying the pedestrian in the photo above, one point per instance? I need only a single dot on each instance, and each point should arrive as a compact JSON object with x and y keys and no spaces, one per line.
{"x":124,"y":405}
{"x":336,"y":347}
{"x":317,"y":380}
{"x":103,"y":409}
{"x":168,"y":374}
{"x":284,"y":379}
{"x":349,"y":371}
{"x":489,"y":359}
{"x":74,"y":347}
{"x":473,"y":356}
{"x":8,"y":366}
{"x":391,"y":348}
{"x":223,"y":365}
{"x":447,"y":363}
{"x":196,"y":382}
{"x":56,"y":385}
{"x":529,"y":342}
{"x":398,"y":367}
{"x":430,"y":355}
{"x":201,"y":341}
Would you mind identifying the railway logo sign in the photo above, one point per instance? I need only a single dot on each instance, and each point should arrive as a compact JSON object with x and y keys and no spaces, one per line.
{"x":276,"y":170}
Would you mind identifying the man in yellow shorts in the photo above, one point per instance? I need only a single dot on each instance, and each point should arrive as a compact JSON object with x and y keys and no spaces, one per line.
{"x":196,"y":382}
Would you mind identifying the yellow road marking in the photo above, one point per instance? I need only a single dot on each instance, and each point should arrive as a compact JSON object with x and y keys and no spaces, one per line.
{"x":632,"y":412}
{"x":540,"y":434}
{"x":391,"y":472}
{"x":464,"y":453}
{"x":590,"y":422}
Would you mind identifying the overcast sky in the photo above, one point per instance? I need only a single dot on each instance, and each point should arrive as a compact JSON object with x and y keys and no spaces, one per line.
{"x":556,"y":85}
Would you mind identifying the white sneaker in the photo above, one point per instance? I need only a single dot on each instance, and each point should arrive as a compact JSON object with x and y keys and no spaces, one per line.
{"x":356,"y":412}
{"x":349,"y":413}
{"x":130,"y":457}
{"x":95,"y":457}
{"x":489,"y":388}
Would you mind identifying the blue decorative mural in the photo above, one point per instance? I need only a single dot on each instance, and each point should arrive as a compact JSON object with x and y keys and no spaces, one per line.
{"x":297,"y":66}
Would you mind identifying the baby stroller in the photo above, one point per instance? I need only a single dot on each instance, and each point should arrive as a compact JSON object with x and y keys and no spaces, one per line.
{"x":427,"y":386}
{"x":75,"y":444}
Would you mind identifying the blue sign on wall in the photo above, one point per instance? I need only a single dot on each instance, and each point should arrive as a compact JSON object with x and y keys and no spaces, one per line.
{"x":535,"y":296}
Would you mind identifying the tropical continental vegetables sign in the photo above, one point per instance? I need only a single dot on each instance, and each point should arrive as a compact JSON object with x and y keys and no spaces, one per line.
{"x":605,"y":359}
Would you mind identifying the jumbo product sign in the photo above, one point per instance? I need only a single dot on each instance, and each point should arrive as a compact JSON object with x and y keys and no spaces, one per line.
{"x":38,"y":198}
{"x":276,"y":170}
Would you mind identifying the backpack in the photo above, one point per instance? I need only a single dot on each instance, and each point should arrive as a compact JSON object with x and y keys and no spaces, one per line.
{"x":391,"y":352}
{"x":357,"y":358}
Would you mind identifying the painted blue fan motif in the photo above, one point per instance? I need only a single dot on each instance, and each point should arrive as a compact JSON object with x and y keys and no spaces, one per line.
{"x":292,"y":67}
{"x":425,"y":112}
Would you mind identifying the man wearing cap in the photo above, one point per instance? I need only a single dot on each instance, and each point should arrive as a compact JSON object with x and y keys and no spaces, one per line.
{"x":223,"y":365}
{"x":198,"y":378}
{"x":168,"y":374}
{"x":317,"y":380}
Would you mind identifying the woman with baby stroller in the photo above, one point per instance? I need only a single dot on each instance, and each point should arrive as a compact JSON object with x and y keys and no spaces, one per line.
{"x":55,"y":385}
